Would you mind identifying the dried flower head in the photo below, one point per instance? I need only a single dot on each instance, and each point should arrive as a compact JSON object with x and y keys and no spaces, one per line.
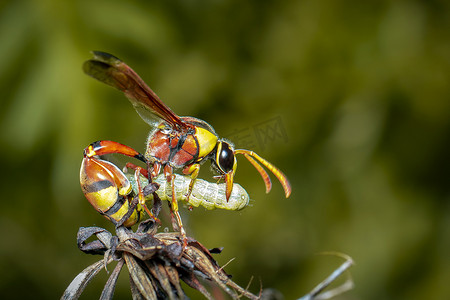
{"x":156,"y":263}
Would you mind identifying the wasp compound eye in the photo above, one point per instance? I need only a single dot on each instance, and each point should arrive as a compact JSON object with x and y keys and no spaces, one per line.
{"x":225,"y":159}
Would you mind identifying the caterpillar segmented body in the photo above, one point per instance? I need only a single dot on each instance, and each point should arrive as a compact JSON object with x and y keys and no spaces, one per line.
{"x":207,"y":194}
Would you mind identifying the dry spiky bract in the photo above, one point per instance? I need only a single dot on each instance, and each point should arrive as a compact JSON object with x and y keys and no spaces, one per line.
{"x":156,"y":263}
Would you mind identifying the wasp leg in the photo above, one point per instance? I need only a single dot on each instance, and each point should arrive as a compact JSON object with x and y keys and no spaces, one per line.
{"x":151,"y":188}
{"x":153,"y":169}
{"x":178,"y":225}
{"x":193,"y":169}
{"x":141,"y":195}
{"x":132,"y":166}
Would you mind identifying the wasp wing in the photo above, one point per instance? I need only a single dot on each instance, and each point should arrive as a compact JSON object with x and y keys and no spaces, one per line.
{"x":112,"y":71}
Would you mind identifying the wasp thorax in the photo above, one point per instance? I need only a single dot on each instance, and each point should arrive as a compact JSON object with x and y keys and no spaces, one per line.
{"x":225,"y":157}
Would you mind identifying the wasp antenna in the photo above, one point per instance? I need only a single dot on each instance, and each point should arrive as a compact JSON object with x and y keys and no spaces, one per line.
{"x":277,"y":172}
{"x":261,"y":171}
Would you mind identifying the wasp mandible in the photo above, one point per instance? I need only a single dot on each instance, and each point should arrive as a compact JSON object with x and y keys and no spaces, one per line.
{"x":175,"y":142}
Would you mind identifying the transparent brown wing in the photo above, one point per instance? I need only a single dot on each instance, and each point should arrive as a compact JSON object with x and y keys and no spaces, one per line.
{"x":112,"y":71}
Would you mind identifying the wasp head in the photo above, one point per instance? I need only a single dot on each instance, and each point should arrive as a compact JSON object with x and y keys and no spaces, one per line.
{"x":226,"y":163}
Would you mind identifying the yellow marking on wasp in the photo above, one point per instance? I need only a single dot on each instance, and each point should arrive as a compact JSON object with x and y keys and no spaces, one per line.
{"x":90,"y":151}
{"x":206,"y":140}
{"x":121,"y":212}
{"x":104,"y":197}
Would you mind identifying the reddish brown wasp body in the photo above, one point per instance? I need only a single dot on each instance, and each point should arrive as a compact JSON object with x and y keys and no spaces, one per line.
{"x":181,"y":148}
{"x":176,"y":142}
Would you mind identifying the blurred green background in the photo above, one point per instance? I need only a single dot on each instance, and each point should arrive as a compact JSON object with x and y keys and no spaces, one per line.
{"x":351,"y":99}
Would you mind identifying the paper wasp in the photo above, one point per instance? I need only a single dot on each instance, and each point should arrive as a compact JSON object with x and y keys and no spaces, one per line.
{"x":116,"y":195}
{"x":175,"y":142}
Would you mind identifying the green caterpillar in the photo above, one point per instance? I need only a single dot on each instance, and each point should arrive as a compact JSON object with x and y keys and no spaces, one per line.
{"x":207,"y":194}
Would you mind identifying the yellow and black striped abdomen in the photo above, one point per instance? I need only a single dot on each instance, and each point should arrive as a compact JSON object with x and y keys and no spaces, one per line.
{"x":109,"y":191}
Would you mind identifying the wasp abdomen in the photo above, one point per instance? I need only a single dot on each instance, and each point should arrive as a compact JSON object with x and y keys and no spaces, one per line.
{"x":108,"y":191}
